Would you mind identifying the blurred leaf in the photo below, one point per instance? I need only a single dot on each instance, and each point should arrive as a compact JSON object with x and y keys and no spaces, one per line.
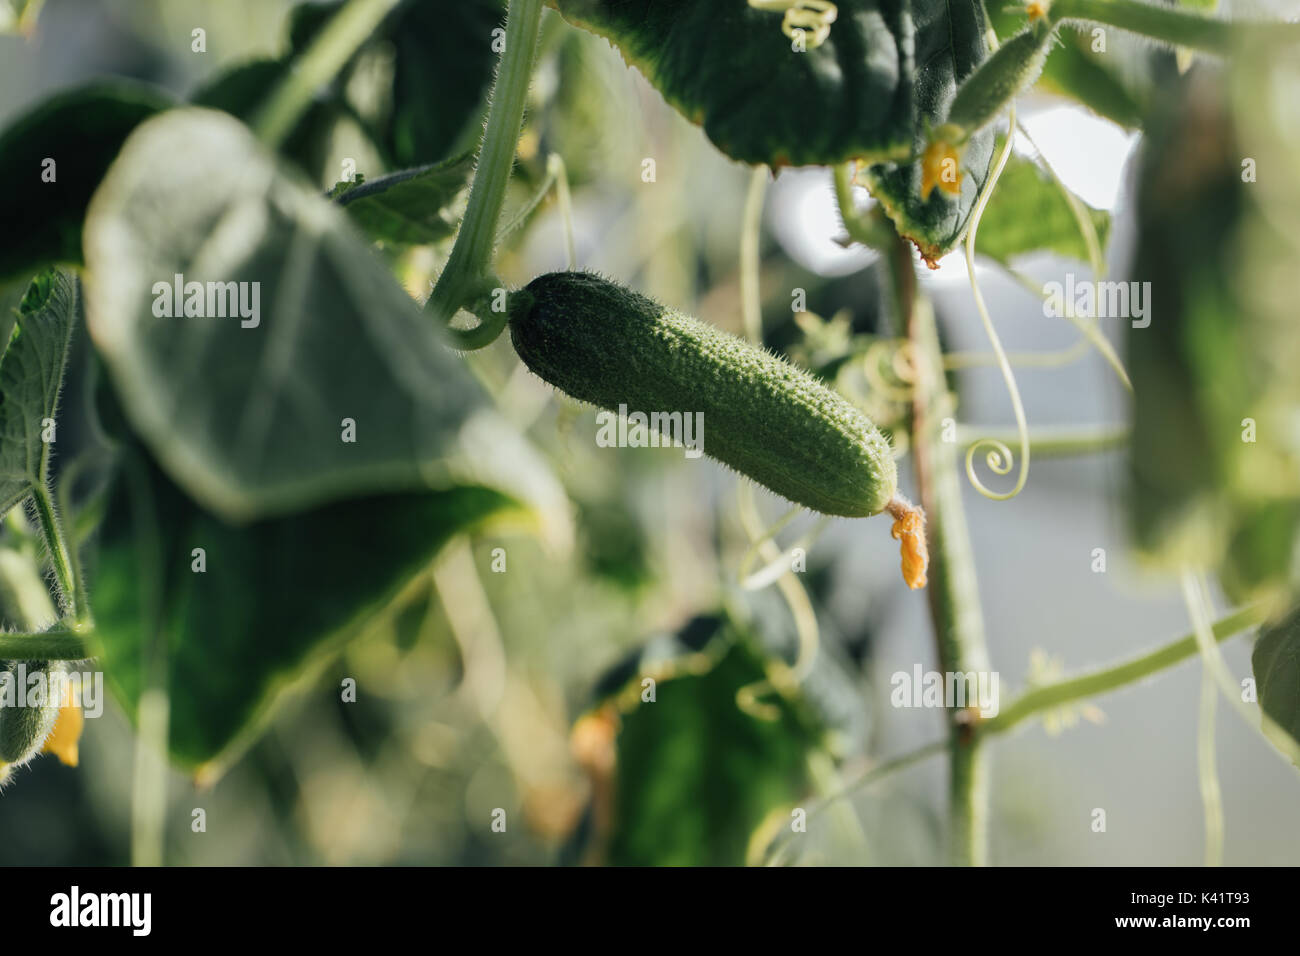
{"x":19,"y":16}
{"x":31,"y":373}
{"x":1028,"y":212}
{"x":1276,"y":663}
{"x":442,"y":67}
{"x":950,"y":44}
{"x":731,"y":68}
{"x":81,"y":130}
{"x":242,"y":89}
{"x":415,"y":206}
{"x":441,"y":61}
{"x":695,"y":775}
{"x":276,"y":597}
{"x":1215,"y":457}
{"x":250,"y":420}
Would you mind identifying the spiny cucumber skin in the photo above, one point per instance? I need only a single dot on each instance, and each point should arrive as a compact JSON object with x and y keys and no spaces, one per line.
{"x":1013,"y":67}
{"x":770,"y":421}
{"x":24,"y":730}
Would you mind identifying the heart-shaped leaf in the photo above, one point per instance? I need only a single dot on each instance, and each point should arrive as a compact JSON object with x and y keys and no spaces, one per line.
{"x":307,"y":374}
{"x":1029,"y":212}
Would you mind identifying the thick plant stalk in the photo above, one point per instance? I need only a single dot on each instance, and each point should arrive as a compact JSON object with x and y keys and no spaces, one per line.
{"x":953,"y":593}
{"x":466,"y":277}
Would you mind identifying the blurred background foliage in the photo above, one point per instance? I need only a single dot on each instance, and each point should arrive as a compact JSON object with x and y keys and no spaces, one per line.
{"x":509,"y":675}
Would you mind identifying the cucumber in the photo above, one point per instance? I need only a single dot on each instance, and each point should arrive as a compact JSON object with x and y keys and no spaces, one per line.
{"x":603,"y":344}
{"x":1012,"y":68}
{"x":24,"y":730}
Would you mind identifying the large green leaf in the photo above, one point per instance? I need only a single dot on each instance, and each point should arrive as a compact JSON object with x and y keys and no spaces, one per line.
{"x":695,"y":775}
{"x":81,"y":130}
{"x":886,"y":72}
{"x":275,"y":597}
{"x":1215,"y":457}
{"x":950,"y":44}
{"x":1028,"y":212}
{"x":31,"y":373}
{"x":731,"y":68}
{"x":415,"y":206}
{"x":251,"y":420}
{"x":1276,"y":663}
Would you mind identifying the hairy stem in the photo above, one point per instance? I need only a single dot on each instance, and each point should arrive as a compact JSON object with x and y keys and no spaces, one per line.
{"x":1176,"y":26}
{"x":46,"y":646}
{"x":953,"y":594}
{"x":1049,"y":696}
{"x":469,"y":264}
{"x":71,"y":599}
{"x":328,"y":53}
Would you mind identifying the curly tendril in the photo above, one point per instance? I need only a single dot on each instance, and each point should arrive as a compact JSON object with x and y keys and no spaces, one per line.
{"x":1000,"y":460}
{"x":810,"y":18}
{"x":876,"y":379}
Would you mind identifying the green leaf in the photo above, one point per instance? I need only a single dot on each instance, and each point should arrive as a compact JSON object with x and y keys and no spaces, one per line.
{"x":81,"y":130}
{"x":1276,"y":663}
{"x":413,"y":207}
{"x":950,"y":44}
{"x":31,"y":373}
{"x":439,"y":59}
{"x":1028,"y":212}
{"x":696,"y":775}
{"x":275,"y":600}
{"x":730,"y":68}
{"x":442,"y":67}
{"x":249,"y":414}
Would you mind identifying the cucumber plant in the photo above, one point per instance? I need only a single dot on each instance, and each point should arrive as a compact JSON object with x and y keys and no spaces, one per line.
{"x":282,"y":438}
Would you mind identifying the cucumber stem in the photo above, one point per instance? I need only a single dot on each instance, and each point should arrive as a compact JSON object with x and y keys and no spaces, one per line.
{"x":952,"y":592}
{"x":471,"y":256}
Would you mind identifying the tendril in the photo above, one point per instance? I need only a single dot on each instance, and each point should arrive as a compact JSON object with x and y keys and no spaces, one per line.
{"x":877,"y":381}
{"x":1000,"y":460}
{"x":810,"y":19}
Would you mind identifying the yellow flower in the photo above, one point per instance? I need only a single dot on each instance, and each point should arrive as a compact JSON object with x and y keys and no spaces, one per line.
{"x":65,"y":737}
{"x":941,"y":166}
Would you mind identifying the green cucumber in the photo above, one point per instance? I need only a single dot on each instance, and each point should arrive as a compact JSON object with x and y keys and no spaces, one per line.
{"x":603,"y":344}
{"x":1012,"y":68}
{"x":24,"y":730}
